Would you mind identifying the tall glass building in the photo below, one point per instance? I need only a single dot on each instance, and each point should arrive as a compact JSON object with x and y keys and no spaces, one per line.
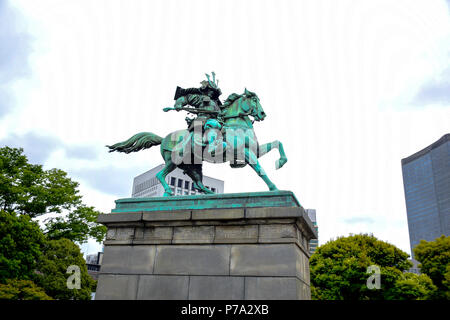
{"x":426,"y":181}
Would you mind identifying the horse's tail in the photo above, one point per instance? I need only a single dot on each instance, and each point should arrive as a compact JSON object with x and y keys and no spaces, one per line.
{"x":138,"y":142}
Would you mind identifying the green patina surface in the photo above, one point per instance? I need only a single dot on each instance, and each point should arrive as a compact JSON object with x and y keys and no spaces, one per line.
{"x":210,"y":201}
{"x":218,"y":133}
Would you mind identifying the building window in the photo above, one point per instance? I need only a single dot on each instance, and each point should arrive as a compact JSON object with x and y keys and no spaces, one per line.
{"x":213,"y":190}
{"x":186,"y":192}
{"x":192,"y":187}
{"x":180,"y":183}
{"x":179,"y":191}
{"x":172,"y":181}
{"x":186,"y":185}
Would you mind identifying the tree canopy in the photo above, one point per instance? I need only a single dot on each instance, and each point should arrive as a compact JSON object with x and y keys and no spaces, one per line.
{"x":339,"y":271}
{"x":15,"y":289}
{"x":34,"y":267}
{"x":28,"y":189}
{"x":34,"y":261}
{"x":79,"y":225}
{"x":434,"y":258}
{"x":21,"y":243}
{"x":52,"y":268}
{"x":411,"y":286}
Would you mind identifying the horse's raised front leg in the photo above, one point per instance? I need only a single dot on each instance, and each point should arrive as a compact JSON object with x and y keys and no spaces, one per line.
{"x":169,"y":167}
{"x":252,"y":160}
{"x":265,"y":148}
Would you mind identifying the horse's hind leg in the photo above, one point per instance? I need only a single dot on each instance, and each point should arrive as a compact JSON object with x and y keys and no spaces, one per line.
{"x":196,"y":177}
{"x":161,"y":176}
{"x":265,"y":148}
{"x":202,"y":187}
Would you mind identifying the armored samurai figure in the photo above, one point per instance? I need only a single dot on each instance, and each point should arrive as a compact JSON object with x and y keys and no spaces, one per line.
{"x":207,"y":105}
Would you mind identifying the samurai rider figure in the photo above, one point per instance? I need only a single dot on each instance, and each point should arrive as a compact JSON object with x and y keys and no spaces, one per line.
{"x":206,"y":100}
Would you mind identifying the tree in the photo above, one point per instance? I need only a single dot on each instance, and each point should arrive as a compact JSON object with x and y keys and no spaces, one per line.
{"x":21,"y":242}
{"x":29,"y":190}
{"x":28,"y":253}
{"x":78,"y":226}
{"x":411,"y":286}
{"x":446,"y":281}
{"x":52,"y":271}
{"x":434,"y":258}
{"x":15,"y":289}
{"x":339,"y":270}
{"x":26,"y":256}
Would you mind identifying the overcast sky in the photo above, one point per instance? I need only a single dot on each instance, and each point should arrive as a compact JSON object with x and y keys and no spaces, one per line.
{"x":349,"y":87}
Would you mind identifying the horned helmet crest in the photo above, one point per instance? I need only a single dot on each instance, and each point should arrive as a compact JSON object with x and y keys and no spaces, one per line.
{"x":212,"y":83}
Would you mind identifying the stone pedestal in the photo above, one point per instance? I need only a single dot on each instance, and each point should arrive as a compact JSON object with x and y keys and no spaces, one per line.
{"x":228,"y":246}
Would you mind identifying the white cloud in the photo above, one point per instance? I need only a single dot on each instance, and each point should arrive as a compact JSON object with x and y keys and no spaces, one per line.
{"x":335,"y":79}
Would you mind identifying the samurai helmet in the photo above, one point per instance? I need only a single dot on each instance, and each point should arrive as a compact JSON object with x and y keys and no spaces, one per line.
{"x":212,"y":83}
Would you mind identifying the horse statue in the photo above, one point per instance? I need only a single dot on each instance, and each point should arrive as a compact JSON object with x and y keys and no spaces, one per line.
{"x":242,"y":147}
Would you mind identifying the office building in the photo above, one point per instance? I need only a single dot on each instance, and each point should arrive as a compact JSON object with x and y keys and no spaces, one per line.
{"x":93,"y":263}
{"x":426,"y":181}
{"x":314,"y":243}
{"x":147,"y":185}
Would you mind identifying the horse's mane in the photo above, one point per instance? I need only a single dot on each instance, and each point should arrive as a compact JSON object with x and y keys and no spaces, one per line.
{"x":233,"y":97}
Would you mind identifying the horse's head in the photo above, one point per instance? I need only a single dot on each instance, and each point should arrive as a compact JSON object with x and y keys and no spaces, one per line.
{"x":250,"y":104}
{"x":246,"y":104}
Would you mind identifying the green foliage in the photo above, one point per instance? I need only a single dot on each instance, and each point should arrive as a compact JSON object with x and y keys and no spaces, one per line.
{"x":446,"y":281}
{"x":411,"y":286}
{"x":21,"y":241}
{"x":78,"y":226}
{"x":52,"y":271}
{"x":26,"y":253}
{"x":339,"y":270}
{"x":28,"y":189}
{"x":15,"y":289}
{"x":434,"y":258}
